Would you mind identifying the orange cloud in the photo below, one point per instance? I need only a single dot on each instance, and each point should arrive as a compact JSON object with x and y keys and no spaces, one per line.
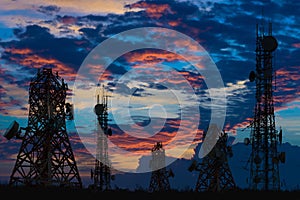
{"x":31,"y":60}
{"x":233,"y":128}
{"x":19,"y":51}
{"x":143,"y":145}
{"x":285,"y":85}
{"x":159,"y":56}
{"x":173,"y":23}
{"x":150,"y":56}
{"x":153,"y":10}
{"x":285,"y":75}
{"x":67,"y":20}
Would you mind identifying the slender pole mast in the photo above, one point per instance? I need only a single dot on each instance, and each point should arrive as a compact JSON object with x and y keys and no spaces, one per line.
{"x":101,"y":174}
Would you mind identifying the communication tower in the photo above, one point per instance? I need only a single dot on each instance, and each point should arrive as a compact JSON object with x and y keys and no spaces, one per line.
{"x":45,"y":157}
{"x":264,"y":138}
{"x":101,"y":174}
{"x":159,"y":175}
{"x":214,"y":171}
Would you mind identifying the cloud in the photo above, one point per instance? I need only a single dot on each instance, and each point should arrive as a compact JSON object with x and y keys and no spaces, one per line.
{"x":153,"y":10}
{"x":49,"y":10}
{"x":62,"y":34}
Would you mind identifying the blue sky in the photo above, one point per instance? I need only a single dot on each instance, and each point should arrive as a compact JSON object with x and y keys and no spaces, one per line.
{"x":63,"y":34}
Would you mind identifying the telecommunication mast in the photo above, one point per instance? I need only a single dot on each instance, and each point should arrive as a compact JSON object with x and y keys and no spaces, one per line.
{"x":214,"y":171}
{"x":160,"y":175}
{"x":45,"y":157}
{"x":264,"y":137}
{"x":101,"y":174}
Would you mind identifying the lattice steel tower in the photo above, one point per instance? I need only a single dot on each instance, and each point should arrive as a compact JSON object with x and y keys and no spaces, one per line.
{"x":45,"y":157}
{"x":264,"y":138}
{"x":101,"y":174}
{"x":214,"y":171}
{"x":160,"y":175}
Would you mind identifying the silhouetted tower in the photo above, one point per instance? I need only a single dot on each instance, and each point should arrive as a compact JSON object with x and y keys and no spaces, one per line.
{"x":45,"y":157}
{"x":160,"y":175}
{"x":264,"y":138}
{"x":214,"y":171}
{"x":101,"y":174}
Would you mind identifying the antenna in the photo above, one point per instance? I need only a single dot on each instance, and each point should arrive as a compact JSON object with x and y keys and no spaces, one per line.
{"x":12,"y":130}
{"x":262,"y":20}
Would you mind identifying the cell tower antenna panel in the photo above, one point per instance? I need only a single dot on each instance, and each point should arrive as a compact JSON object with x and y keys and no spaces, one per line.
{"x":264,"y":138}
{"x":45,"y":157}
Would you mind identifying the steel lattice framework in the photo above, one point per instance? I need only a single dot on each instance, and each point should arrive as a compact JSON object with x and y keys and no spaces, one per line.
{"x":264,"y":138}
{"x":45,"y":157}
{"x":160,"y":175}
{"x":214,"y":171}
{"x":101,"y":174}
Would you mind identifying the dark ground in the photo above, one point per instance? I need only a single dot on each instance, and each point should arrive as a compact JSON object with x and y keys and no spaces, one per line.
{"x":57,"y":193}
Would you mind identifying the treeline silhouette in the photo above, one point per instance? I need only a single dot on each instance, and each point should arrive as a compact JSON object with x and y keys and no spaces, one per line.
{"x":139,"y":193}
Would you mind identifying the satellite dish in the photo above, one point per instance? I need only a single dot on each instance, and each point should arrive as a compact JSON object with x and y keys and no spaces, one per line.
{"x":269,"y":43}
{"x":12,"y":130}
{"x":252,"y":76}
{"x":99,"y":108}
{"x":69,"y":111}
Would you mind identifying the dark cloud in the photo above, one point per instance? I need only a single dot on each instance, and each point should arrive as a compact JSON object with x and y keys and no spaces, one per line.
{"x":117,"y":68}
{"x":40,"y":42}
{"x":225,"y":30}
{"x":158,"y":86}
{"x":49,"y":10}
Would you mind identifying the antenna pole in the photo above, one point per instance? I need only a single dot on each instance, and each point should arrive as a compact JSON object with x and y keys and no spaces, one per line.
{"x":101,"y":174}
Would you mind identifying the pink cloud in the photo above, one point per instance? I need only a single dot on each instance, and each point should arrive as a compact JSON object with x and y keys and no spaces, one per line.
{"x":296,"y":45}
{"x":153,"y":10}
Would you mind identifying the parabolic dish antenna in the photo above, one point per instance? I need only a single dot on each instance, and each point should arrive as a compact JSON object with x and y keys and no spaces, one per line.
{"x":252,"y":76}
{"x":99,"y":108}
{"x":12,"y":130}
{"x":269,"y":43}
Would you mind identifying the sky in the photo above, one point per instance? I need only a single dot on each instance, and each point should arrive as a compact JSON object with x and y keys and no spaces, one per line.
{"x":170,"y":68}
